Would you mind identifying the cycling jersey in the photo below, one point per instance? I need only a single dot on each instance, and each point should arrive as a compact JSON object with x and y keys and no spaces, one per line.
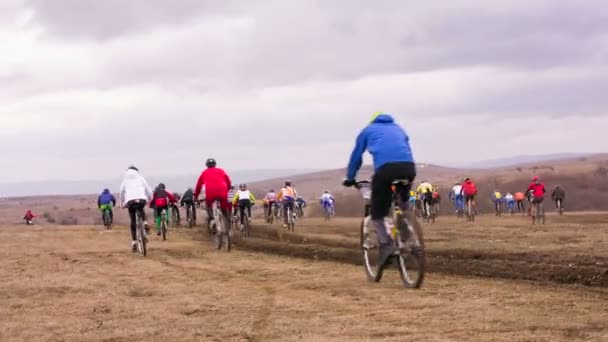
{"x":469,"y":189}
{"x":270,"y":197}
{"x":424,"y":188}
{"x":497,"y":196}
{"x":537,"y":189}
{"x":243,"y":195}
{"x":519,"y":196}
{"x":509,"y":198}
{"x":327,"y":199}
{"x":287,"y":193}
{"x":456,"y":190}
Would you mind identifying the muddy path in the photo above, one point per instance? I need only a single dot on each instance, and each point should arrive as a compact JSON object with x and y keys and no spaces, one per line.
{"x":337,"y":245}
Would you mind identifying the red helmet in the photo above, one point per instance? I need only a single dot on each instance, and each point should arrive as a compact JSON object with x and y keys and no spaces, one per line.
{"x":535,"y":178}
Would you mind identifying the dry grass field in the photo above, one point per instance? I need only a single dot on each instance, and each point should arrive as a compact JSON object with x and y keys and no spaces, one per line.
{"x":77,"y":283}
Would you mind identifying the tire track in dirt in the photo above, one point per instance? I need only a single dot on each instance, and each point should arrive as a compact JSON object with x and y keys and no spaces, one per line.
{"x":542,"y":267}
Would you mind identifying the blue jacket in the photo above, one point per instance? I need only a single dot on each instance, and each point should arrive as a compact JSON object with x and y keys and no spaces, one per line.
{"x":106,"y":198}
{"x":385,"y":140}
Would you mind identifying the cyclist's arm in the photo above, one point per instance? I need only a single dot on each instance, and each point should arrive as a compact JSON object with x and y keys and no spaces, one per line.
{"x":356,"y":157}
{"x":251,"y":197}
{"x":149,"y":191}
{"x":172,"y":198}
{"x":199,"y":185}
{"x":235,"y":199}
{"x":99,"y":201}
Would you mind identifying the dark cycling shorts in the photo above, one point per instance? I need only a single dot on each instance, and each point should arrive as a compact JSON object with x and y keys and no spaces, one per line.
{"x":538,"y":200}
{"x":382,"y":195}
{"x":469,"y":198}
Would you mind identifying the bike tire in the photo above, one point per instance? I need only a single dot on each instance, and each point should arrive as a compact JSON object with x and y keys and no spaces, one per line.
{"x":106,"y":220}
{"x":141,"y":240}
{"x":163,"y":229}
{"x":414,"y":258}
{"x":371,"y":252}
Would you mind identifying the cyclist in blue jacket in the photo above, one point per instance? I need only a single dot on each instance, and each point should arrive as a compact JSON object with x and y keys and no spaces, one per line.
{"x":106,"y":201}
{"x":389,"y":145}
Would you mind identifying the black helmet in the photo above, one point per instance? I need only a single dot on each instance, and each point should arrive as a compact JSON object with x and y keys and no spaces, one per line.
{"x":132,"y":167}
{"x":271,"y":190}
{"x":161,"y":186}
{"x":242,"y":186}
{"x":232,"y":187}
{"x":287,"y":183}
{"x":210,"y":162}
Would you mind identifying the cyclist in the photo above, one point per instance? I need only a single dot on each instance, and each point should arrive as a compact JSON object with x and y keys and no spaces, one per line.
{"x":106,"y":201}
{"x":232,"y":208}
{"x":301,"y":204}
{"x":456,"y":196}
{"x":536,"y":189}
{"x":134,"y":193}
{"x":426,"y":190}
{"x":558,"y":194}
{"x":389,"y":145}
{"x":287,"y":196}
{"x":519,"y":198}
{"x":161,"y":200}
{"x":327,"y":202}
{"x":436,"y":201}
{"x":217,"y":183}
{"x":510,"y":202}
{"x":413,"y":199}
{"x":469,"y":190}
{"x":29,"y":217}
{"x":496,"y":198}
{"x":244,"y":199}
{"x":175,"y":206}
{"x":270,"y":200}
{"x":187,"y":201}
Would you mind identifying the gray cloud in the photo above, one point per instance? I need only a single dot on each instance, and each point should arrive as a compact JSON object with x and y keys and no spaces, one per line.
{"x":85,"y":81}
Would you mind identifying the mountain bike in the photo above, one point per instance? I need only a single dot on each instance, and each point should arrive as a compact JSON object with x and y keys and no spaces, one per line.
{"x":269,"y":213}
{"x":246,"y":229}
{"x":429,"y":211}
{"x":190,"y":214}
{"x":328,"y":212}
{"x":107,"y":219}
{"x":299,"y":209}
{"x":559,"y":206}
{"x":538,"y":212}
{"x":291,"y":219}
{"x":470,"y":210}
{"x":223,"y":232}
{"x":140,"y":233}
{"x":175,"y":219}
{"x":409,"y":250}
{"x":497,"y":208}
{"x":163,"y":224}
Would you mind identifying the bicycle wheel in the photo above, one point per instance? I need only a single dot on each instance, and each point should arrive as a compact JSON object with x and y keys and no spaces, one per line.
{"x":163,"y":226}
{"x":106,"y":219}
{"x":189,"y":215}
{"x":291,"y":221}
{"x":541,"y":210}
{"x":411,"y":259}
{"x":141,"y":238}
{"x":369,"y":247}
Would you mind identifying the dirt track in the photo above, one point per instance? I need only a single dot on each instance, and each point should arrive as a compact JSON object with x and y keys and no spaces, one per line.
{"x":83,"y":284}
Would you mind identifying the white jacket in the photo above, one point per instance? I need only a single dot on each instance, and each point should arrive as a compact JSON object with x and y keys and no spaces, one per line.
{"x":134,"y":187}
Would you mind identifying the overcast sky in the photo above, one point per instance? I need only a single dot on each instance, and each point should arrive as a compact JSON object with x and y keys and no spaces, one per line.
{"x":89,"y":87}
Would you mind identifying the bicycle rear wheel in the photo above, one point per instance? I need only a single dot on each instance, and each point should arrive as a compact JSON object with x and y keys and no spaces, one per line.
{"x":141,"y":238}
{"x":411,"y":260}
{"x":163,"y":225}
{"x":106,"y":220}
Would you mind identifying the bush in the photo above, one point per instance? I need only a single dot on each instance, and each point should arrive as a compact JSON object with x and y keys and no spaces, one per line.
{"x":68,"y":221}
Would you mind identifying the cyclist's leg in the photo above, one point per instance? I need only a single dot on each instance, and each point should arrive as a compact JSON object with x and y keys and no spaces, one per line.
{"x":382,"y":198}
{"x":132,"y":207}
{"x":248,"y":209}
{"x":242,"y":207}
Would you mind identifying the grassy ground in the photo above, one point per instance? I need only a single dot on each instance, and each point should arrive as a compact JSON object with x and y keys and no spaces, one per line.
{"x":80,"y":283}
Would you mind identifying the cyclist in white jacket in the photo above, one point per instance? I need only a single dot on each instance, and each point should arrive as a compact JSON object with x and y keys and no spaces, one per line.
{"x":134,"y":194}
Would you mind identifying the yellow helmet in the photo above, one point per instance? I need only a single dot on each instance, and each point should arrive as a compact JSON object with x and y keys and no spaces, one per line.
{"x":375,"y":115}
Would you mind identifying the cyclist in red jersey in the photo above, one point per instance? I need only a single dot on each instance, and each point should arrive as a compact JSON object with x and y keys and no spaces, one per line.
{"x":537,"y":189}
{"x":217,"y":183}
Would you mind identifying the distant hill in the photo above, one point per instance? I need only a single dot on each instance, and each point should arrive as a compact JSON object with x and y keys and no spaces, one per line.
{"x":585,"y":180}
{"x":518,"y":160}
{"x":174,"y":183}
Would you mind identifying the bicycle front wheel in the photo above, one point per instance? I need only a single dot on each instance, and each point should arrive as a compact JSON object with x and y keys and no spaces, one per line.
{"x":369,"y":247}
